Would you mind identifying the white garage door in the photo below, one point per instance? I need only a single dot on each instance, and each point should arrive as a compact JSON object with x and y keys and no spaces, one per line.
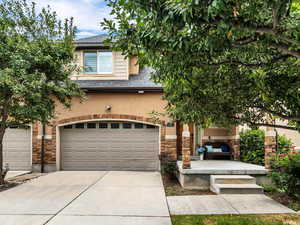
{"x":109,"y":146}
{"x":17,"y":149}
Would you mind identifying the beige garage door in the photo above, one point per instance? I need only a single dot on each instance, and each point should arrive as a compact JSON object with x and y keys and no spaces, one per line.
{"x":109,"y":146}
{"x":17,"y":149}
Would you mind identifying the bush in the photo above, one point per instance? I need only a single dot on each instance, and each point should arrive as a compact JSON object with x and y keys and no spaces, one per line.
{"x":169,"y":168}
{"x":286,"y":173}
{"x":253,"y":147}
{"x":284,"y":144}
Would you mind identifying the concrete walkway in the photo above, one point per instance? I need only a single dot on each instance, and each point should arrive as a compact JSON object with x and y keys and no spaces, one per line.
{"x":225,"y":204}
{"x":90,"y":198}
{"x":12,"y":174}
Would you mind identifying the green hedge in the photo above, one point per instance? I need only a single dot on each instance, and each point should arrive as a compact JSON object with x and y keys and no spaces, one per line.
{"x":285,"y":173}
{"x":253,"y":148}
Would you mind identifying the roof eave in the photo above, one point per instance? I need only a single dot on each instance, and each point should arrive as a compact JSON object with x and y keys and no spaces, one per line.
{"x":123,"y":89}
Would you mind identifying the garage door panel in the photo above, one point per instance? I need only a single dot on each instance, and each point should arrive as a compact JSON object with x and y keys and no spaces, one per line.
{"x":17,"y":149}
{"x":108,"y":155}
{"x":112,"y":165}
{"x":109,"y":149}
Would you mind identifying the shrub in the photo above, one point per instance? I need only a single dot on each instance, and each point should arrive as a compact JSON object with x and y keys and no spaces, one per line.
{"x":284,"y":144}
{"x":253,"y":147}
{"x":169,"y":168}
{"x":286,"y":173}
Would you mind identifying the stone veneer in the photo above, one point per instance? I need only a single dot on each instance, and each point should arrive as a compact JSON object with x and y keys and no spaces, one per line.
{"x":270,"y":148}
{"x":186,"y":152}
{"x":168,"y":146}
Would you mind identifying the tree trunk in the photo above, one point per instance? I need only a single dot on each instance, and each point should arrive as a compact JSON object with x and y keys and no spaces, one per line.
{"x":4,"y":117}
{"x":2,"y":171}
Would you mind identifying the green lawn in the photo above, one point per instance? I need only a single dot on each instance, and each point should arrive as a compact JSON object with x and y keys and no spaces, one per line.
{"x":283,"y":219}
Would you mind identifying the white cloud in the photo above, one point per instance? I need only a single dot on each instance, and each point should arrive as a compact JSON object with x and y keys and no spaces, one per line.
{"x":86,"y":33}
{"x":87,"y":14}
{"x":83,"y":34}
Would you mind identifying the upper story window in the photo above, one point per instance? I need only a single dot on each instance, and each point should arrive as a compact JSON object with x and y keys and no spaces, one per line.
{"x":98,"y":62}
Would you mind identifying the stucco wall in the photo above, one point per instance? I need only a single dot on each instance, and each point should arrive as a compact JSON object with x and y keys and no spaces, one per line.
{"x":121,"y":103}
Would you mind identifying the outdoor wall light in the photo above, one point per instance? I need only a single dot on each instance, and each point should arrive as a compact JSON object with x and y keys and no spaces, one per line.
{"x":108,"y":108}
{"x":170,"y":123}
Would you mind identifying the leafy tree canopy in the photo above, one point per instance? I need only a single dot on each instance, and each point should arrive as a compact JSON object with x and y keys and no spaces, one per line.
{"x":36,"y":54}
{"x":225,"y":62}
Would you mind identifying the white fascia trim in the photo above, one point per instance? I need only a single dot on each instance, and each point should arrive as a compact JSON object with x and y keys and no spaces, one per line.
{"x":222,"y":137}
{"x":169,"y":137}
{"x":47,"y":137}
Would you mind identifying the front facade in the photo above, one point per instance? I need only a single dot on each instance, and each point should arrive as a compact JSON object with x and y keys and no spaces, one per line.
{"x":113,"y":128}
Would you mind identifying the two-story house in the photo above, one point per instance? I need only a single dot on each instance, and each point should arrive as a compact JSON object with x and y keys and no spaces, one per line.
{"x":112,"y":128}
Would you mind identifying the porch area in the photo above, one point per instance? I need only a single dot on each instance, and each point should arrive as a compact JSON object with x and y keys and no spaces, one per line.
{"x":198,"y":176}
{"x":220,"y":150}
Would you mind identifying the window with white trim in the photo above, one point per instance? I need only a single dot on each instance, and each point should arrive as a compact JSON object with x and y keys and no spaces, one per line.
{"x":98,"y":62}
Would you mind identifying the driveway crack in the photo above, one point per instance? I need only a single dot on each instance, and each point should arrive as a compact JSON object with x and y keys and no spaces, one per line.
{"x":76,"y":197}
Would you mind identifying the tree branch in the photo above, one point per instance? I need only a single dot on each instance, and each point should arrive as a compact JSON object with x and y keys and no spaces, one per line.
{"x":274,"y":125}
{"x":283,"y":116}
{"x":251,"y":123}
{"x":244,"y":41}
{"x":285,"y":48}
{"x":239,"y":63}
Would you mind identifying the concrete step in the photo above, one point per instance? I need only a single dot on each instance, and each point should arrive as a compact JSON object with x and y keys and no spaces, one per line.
{"x":237,"y":189}
{"x":232,"y":179}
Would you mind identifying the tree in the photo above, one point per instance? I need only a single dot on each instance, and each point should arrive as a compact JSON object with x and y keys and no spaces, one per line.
{"x":226,"y":62}
{"x":36,"y":54}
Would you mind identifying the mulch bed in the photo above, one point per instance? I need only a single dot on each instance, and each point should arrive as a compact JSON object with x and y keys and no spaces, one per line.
{"x":15,"y":181}
{"x":284,"y":199}
{"x":173,"y":188}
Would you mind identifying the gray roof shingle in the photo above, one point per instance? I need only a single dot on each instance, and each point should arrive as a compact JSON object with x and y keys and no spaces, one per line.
{"x":140,"y":81}
{"x":94,"y":41}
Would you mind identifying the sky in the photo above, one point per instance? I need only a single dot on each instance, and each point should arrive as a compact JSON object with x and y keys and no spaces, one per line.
{"x":87,"y":14}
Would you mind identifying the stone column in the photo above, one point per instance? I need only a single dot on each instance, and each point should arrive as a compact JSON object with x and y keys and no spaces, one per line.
{"x":270,"y":146}
{"x":186,"y":148}
{"x":236,"y":150}
{"x":235,"y":144}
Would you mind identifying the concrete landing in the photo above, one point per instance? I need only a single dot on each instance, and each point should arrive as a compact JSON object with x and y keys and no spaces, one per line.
{"x":222,"y":167}
{"x":225,"y":204}
{"x":198,"y":176}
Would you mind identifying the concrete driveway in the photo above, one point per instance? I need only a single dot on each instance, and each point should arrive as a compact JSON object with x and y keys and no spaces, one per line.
{"x":89,"y":198}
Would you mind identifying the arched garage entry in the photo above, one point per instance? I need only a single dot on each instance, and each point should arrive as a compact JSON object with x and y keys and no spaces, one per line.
{"x":110,"y":144}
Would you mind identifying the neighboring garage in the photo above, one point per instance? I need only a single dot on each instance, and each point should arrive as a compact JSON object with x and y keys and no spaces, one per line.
{"x":17,"y":149}
{"x":109,"y":146}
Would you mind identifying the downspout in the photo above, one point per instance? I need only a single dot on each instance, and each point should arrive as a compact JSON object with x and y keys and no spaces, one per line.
{"x":43,"y":147}
{"x":277,"y":146}
{"x":276,"y":132}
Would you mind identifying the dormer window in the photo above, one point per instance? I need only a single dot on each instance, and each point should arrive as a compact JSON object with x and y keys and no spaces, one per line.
{"x":98,"y":62}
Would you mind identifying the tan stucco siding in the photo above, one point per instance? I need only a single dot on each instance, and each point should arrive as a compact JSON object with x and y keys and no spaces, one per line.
{"x":293,"y":135}
{"x":121,"y":103}
{"x":133,"y":66}
{"x":220,"y":131}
